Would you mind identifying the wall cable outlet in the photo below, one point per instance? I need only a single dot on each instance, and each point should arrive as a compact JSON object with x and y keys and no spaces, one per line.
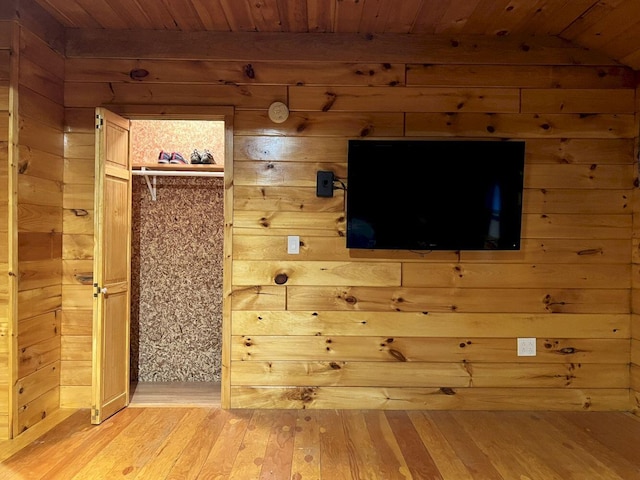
{"x":526,"y":347}
{"x":324,"y":183}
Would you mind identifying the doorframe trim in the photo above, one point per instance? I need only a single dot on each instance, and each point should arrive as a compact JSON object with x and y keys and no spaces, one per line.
{"x":219,"y":113}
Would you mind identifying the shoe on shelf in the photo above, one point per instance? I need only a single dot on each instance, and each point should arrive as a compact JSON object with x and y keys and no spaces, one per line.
{"x":164,"y":157}
{"x":176,"y":158}
{"x":206,"y":157}
{"x":196,"y":157}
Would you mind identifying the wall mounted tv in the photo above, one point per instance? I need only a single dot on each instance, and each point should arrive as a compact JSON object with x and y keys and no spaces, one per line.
{"x":434,"y":194}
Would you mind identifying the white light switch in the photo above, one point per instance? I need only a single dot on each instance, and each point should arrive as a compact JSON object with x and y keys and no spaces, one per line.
{"x":293,"y":244}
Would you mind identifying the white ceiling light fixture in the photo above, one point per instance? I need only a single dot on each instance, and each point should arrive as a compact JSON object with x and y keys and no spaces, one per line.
{"x":278,"y":112}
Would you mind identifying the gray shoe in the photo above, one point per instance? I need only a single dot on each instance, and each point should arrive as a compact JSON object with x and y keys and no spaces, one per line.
{"x":206,"y":157}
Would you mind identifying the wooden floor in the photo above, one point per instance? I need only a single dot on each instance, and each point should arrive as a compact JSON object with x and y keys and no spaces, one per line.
{"x":209,"y":443}
{"x":163,"y":394}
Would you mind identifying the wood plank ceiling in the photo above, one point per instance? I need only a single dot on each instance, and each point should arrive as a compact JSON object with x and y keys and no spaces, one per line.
{"x":611,"y":27}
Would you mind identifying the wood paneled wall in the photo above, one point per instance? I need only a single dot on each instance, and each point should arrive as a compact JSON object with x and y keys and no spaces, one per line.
{"x":31,"y":168}
{"x":6,"y":29}
{"x":399,"y":329}
{"x":77,"y":254}
{"x":635,"y":292}
{"x":40,"y":165}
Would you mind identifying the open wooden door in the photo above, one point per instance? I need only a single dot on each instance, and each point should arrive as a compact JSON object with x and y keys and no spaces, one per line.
{"x":111,"y":266}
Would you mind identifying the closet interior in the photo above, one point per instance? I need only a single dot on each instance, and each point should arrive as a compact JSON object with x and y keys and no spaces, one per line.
{"x":177,"y":262}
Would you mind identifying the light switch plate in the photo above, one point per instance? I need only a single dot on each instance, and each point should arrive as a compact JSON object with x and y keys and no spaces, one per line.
{"x":293,"y":244}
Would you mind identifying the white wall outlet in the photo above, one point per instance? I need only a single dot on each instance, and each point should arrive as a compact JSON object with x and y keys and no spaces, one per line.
{"x":293,"y":244}
{"x":526,"y":347}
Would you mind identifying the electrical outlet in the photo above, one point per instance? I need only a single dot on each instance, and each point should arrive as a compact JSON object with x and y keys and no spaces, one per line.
{"x":526,"y":347}
{"x":293,"y":244}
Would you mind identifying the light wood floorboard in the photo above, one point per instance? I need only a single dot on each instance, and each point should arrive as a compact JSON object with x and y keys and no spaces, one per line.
{"x":167,"y":394}
{"x":210,"y":443}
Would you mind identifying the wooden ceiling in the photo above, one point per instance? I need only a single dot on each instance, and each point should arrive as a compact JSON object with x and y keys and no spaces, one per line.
{"x":611,"y":27}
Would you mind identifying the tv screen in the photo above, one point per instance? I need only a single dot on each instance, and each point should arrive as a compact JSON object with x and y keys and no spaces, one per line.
{"x":434,"y":194}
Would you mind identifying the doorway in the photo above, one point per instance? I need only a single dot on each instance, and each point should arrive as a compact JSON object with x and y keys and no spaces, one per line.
{"x":177,"y":264}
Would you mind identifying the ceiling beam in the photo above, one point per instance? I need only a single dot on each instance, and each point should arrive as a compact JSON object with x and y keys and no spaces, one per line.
{"x":322,"y":47}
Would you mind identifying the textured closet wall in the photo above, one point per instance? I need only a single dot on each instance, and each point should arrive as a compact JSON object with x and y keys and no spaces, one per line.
{"x":149,"y":137}
{"x":177,"y":280}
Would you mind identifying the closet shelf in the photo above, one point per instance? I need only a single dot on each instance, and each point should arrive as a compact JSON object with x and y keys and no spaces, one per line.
{"x":155,"y":171}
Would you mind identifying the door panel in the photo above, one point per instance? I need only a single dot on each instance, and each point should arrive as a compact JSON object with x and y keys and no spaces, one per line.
{"x":111,"y":269}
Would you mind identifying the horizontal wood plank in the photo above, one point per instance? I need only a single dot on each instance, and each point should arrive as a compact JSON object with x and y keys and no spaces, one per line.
{"x":416,"y":349}
{"x":39,"y":191}
{"x":38,"y":356}
{"x":430,"y":398}
{"x":38,"y":329}
{"x":533,"y":76}
{"x":315,"y":273}
{"x":38,"y":409}
{"x":37,"y":163}
{"x":39,"y":301}
{"x":441,"y":374}
{"x":583,"y":100}
{"x":435,"y":324}
{"x":515,"y":276}
{"x":39,"y":274}
{"x":563,"y":226}
{"x":407,"y":99}
{"x":258,"y":297}
{"x":75,"y":372}
{"x":461,"y":300}
{"x":33,"y":246}
{"x":289,"y":149}
{"x":309,"y":47}
{"x":38,"y":383}
{"x":550,"y":125}
{"x":281,"y":73}
{"x":291,"y":174}
{"x":39,"y":218}
{"x":284,"y":198}
{"x":324,"y":223}
{"x":580,"y":151}
{"x":79,"y":94}
{"x":76,"y":322}
{"x":273,"y":247}
{"x":77,"y":247}
{"x":332,"y":124}
{"x":73,"y":396}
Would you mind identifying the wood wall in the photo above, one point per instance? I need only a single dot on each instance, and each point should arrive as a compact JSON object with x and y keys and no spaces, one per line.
{"x":635,"y":292}
{"x":6,"y":29}
{"x":31,"y":154}
{"x":40,"y":160}
{"x":77,"y":254}
{"x":393,"y":329}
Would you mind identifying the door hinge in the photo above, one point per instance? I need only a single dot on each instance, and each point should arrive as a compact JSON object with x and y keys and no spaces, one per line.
{"x":99,"y":121}
{"x":95,"y":413}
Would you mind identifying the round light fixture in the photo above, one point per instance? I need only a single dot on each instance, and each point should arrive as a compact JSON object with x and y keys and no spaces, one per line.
{"x":278,"y":112}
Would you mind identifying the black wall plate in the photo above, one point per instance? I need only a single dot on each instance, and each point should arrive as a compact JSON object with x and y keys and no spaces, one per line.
{"x":324,"y":184}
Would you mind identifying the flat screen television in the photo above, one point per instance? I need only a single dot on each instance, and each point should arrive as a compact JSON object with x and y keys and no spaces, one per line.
{"x":434,"y":194}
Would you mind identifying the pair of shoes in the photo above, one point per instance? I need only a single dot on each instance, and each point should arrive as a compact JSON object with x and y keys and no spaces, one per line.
{"x":195,"y":157}
{"x":174,"y":157}
{"x":204,"y":157}
{"x":164,"y":157}
{"x":207,"y":157}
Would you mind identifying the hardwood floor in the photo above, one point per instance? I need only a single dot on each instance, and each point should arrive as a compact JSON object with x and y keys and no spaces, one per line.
{"x":209,"y":443}
{"x":167,"y":394}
